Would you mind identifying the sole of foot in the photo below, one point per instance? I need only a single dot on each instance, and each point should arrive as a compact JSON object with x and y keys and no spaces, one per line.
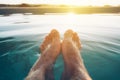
{"x":50,"y":48}
{"x":74,"y":66}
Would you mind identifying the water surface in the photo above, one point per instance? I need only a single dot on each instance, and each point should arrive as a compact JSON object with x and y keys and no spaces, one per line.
{"x":21,"y":36}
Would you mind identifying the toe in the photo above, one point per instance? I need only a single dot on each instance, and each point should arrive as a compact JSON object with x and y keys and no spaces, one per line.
{"x":43,"y":46}
{"x":76,"y":39}
{"x":55,"y":35}
{"x":45,"y":43}
{"x":52,"y":36}
{"x":68,"y":34}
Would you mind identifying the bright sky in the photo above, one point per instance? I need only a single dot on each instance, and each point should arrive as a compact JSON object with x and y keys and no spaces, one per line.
{"x":69,"y":2}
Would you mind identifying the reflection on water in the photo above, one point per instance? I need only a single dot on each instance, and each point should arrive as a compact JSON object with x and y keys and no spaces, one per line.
{"x":21,"y":35}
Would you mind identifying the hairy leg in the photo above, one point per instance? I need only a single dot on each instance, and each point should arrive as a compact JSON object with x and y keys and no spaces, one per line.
{"x":74,"y":66}
{"x":50,"y":50}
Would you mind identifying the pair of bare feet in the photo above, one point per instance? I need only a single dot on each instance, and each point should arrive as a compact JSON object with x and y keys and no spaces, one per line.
{"x":51,"y":48}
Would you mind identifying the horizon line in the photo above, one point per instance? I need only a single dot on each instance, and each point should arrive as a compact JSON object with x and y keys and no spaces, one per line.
{"x":56,"y":4}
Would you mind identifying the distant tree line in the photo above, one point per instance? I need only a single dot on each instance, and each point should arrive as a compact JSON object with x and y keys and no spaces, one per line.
{"x":15,"y":5}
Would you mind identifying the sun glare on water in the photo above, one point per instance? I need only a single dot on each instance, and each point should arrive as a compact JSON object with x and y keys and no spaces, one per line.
{"x":71,"y":17}
{"x":71,"y":14}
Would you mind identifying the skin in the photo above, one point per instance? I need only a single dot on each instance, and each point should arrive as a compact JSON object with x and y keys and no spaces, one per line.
{"x":50,"y":48}
{"x":74,"y":66}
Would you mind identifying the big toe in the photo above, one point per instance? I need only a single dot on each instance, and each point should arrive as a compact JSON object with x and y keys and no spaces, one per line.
{"x":51,"y":37}
{"x":54,"y":35}
{"x":68,"y":34}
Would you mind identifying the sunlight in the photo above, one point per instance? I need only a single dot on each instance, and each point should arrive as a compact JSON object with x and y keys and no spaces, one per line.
{"x":71,"y":17}
{"x":71,"y":14}
{"x":39,"y":24}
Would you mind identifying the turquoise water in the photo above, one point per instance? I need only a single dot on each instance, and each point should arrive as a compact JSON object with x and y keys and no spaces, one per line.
{"x":21,"y":36}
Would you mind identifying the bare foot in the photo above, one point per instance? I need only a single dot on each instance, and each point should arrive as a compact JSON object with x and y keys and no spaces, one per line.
{"x":74,"y":66}
{"x":50,"y":49}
